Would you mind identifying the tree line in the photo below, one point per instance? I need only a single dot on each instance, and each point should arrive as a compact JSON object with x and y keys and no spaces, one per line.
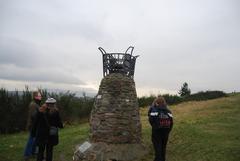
{"x":184,"y":95}
{"x":14,"y":108}
{"x":14,"y":105}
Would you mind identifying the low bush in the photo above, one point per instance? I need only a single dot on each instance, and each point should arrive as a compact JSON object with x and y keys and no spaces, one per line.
{"x":170,"y":99}
{"x":200,"y":96}
{"x":175,"y":99}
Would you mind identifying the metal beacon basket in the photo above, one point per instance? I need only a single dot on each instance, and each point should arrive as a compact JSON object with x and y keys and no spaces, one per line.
{"x":119,"y":62}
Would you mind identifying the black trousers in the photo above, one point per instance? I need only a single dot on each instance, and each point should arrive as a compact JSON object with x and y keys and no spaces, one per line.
{"x":49,"y":152}
{"x":159,"y":140}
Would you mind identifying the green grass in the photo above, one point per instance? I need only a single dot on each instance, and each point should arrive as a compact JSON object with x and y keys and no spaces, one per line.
{"x":12,"y":146}
{"x":203,"y":131}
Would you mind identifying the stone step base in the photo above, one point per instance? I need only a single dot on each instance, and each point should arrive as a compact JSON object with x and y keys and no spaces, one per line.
{"x":110,"y":152}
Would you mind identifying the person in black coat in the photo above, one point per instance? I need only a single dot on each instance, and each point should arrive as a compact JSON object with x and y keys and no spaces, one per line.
{"x":45,"y":129}
{"x":161,"y":120}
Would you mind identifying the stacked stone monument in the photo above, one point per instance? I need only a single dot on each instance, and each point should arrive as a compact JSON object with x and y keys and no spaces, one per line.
{"x":115,"y":127}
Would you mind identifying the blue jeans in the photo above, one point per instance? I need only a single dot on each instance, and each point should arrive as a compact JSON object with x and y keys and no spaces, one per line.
{"x":30,"y":148}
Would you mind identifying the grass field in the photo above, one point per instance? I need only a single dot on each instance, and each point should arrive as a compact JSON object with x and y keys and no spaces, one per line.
{"x":203,"y":131}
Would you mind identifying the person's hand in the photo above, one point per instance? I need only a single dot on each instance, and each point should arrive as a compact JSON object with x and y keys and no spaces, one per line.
{"x":43,"y":108}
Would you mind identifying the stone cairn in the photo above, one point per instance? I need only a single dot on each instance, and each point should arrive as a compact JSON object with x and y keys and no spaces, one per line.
{"x":115,"y":127}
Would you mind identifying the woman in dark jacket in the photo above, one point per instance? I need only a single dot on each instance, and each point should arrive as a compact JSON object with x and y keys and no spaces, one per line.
{"x":160,"y":118}
{"x":46,"y":129}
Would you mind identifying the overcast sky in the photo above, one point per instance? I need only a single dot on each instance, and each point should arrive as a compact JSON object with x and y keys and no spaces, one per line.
{"x":54,"y":43}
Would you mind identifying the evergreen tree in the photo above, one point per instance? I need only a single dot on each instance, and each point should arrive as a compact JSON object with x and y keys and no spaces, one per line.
{"x":184,"y":91}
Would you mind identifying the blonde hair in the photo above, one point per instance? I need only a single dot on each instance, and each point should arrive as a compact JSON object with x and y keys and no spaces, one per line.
{"x":159,"y":101}
{"x":35,"y":93}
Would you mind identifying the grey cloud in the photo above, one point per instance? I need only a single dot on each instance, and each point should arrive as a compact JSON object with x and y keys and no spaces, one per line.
{"x":44,"y":74}
{"x":193,"y":41}
{"x":49,"y":20}
{"x":17,"y":52}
